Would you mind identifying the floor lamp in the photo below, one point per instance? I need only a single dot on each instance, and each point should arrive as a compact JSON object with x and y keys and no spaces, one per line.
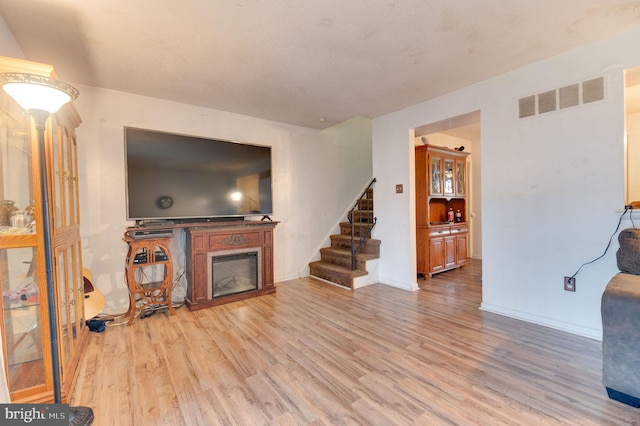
{"x":41,"y":96}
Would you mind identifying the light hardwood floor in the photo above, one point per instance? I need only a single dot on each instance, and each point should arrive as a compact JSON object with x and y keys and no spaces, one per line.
{"x":318,"y":354}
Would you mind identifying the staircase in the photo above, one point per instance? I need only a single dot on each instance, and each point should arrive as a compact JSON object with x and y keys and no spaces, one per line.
{"x":351,"y":260}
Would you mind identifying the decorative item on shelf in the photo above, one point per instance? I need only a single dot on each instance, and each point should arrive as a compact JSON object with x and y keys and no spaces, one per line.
{"x":20,"y":219}
{"x":11,"y":298}
{"x":25,"y":296}
{"x":450,"y":215}
{"x":31,"y":208}
{"x":458,"y":216}
{"x":7,"y":207}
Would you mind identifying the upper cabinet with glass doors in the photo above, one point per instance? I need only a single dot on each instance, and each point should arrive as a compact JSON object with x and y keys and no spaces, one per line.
{"x":447,"y":172}
{"x":441,"y":185}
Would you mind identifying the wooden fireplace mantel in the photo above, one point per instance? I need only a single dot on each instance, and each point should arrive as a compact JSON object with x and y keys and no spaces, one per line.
{"x":202,"y":240}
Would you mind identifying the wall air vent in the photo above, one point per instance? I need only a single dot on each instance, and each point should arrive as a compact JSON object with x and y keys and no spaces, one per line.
{"x":527,"y":106}
{"x":593,"y":90}
{"x":564,"y":97}
{"x":569,"y":96}
{"x":547,"y":101}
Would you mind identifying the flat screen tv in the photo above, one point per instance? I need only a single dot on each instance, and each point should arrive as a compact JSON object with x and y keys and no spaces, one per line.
{"x":178,"y":177}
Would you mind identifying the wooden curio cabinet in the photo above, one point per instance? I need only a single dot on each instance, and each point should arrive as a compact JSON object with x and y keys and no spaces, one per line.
{"x":25,"y":318}
{"x":441,"y":209}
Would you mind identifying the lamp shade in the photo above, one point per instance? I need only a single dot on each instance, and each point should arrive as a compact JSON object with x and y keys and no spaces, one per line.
{"x":32,"y":91}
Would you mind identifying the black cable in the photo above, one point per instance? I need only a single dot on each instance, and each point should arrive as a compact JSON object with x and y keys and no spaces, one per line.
{"x":626,"y":209}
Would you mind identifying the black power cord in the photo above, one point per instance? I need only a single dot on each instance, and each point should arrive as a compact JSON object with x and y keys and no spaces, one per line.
{"x":152,"y":309}
{"x":626,"y":209}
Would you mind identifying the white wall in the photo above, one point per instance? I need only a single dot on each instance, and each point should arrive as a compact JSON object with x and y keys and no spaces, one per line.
{"x":348,"y":152}
{"x":552,"y":185}
{"x":316,"y":176}
{"x":8,"y":44}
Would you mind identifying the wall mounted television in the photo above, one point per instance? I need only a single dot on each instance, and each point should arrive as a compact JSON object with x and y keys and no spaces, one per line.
{"x":173,"y":177}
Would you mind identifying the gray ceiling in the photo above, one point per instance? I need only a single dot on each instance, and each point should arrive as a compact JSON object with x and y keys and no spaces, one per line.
{"x":312,"y":63}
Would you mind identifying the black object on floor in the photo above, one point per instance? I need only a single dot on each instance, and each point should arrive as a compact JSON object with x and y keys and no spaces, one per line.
{"x":80,"y":416}
{"x":97,"y":326}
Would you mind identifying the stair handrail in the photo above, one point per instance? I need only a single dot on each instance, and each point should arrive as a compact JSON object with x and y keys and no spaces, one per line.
{"x":370,"y":225}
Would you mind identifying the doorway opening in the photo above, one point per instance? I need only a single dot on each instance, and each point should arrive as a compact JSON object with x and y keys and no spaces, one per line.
{"x":459,"y":133}
{"x":632,"y":135}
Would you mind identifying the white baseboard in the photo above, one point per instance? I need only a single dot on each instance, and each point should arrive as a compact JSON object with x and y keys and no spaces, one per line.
{"x":546,"y":322}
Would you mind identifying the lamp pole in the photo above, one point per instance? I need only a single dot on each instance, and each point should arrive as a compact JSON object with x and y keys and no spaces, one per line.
{"x":40,"y":118}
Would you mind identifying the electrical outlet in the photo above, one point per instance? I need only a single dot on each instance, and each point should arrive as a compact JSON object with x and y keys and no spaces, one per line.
{"x":569,"y":284}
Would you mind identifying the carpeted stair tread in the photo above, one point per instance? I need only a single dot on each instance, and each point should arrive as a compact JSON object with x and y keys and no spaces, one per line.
{"x":347,"y":252}
{"x":335,"y":273}
{"x":347,"y":238}
{"x":370,"y":245}
{"x":342,"y":256}
{"x":337,"y":268}
{"x":359,"y":229}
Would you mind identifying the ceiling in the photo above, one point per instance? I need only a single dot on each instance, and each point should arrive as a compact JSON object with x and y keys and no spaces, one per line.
{"x":312,"y":63}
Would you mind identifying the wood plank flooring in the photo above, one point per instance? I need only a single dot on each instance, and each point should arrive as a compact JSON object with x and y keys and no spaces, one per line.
{"x":317,"y":354}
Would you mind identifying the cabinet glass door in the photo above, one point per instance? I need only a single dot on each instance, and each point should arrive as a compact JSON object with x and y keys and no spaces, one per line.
{"x":448,"y":176}
{"x":70,"y":299}
{"x":22,"y":306}
{"x":66,"y":243}
{"x":22,"y":323}
{"x":460,"y":177}
{"x":65,"y":176}
{"x":435,"y":175}
{"x":60,"y":179}
{"x":16,"y":180}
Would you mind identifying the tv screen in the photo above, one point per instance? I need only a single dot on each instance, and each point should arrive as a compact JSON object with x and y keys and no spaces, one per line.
{"x":171,"y":176}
